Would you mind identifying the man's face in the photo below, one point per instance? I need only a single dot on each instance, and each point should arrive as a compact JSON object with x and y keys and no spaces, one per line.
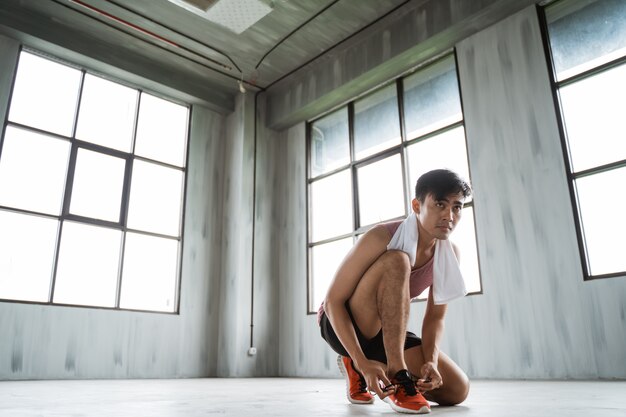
{"x":439,"y":217}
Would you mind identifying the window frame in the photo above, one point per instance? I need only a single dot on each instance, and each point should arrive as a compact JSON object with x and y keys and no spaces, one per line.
{"x":353,"y":166}
{"x":129,"y":158}
{"x":571,"y":175}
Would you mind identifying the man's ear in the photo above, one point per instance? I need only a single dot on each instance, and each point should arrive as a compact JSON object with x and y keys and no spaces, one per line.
{"x":415,"y":204}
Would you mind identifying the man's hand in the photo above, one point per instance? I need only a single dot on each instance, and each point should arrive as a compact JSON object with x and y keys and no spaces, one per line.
{"x":430,"y":377}
{"x":374,"y":374}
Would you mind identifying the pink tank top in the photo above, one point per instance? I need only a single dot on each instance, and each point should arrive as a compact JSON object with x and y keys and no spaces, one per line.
{"x":421,"y":278}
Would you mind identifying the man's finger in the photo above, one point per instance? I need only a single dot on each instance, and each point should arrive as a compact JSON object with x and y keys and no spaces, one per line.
{"x":381,"y":394}
{"x":374,"y":386}
{"x":427,"y":386}
{"x":384,"y":379}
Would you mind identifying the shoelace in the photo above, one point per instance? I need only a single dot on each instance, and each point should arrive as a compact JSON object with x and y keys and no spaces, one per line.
{"x":409,"y":386}
{"x":362,"y":384}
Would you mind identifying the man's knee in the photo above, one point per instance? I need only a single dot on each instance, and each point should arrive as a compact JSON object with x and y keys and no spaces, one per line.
{"x":452,"y":395}
{"x":396,"y":262}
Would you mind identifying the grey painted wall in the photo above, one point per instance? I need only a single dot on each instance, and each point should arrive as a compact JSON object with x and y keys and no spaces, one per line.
{"x":236,"y":276}
{"x":536,"y":318}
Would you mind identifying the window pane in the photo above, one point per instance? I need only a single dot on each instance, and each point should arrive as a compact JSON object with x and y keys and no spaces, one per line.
{"x":593,"y":112}
{"x":604,"y":232}
{"x":381,"y":193}
{"x":376,"y":122}
{"x":325,"y":260}
{"x":45,"y":94}
{"x":161,"y":130}
{"x":330,"y":143}
{"x":446,"y":150}
{"x":149,"y":277}
{"x":32,"y":171}
{"x":431,"y":99}
{"x":98,"y":183}
{"x":155,"y":199}
{"x":26,"y":255}
{"x":88,"y":265}
{"x":465,"y":238}
{"x":331,"y":206}
{"x":107,"y":113}
{"x":585,"y":34}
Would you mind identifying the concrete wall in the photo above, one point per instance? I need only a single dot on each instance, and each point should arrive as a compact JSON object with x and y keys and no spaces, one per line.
{"x":536,"y":318}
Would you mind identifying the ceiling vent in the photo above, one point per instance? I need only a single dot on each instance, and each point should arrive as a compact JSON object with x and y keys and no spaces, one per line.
{"x":235,"y":15}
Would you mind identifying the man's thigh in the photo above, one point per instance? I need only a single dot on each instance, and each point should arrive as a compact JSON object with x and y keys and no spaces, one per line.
{"x":363,"y":302}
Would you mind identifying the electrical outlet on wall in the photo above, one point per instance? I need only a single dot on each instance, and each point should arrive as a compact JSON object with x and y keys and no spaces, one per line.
{"x":252,"y":351}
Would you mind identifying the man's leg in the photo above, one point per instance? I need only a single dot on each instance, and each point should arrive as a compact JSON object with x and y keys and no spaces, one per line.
{"x":381,"y":300}
{"x":455,"y":382}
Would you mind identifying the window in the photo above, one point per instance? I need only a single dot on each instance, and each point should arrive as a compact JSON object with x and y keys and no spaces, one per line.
{"x":365,"y":158}
{"x":587,"y":41}
{"x":92,"y":180}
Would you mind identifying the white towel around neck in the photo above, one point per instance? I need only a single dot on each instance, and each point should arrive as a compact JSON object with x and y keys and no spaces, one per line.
{"x":448,"y":283}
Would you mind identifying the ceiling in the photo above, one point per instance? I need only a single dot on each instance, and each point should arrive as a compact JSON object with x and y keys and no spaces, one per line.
{"x":163,"y":35}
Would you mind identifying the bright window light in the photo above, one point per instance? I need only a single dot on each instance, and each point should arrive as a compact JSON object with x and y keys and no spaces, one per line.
{"x":88,"y":265}
{"x":603,"y":231}
{"x":446,"y":150}
{"x":325,"y":261}
{"x":161,"y":130}
{"x":149,"y":263}
{"x":155,"y":199}
{"x":464,"y":236}
{"x":98,"y":183}
{"x":331,"y":206}
{"x":594,"y":119}
{"x":45,"y":94}
{"x":381,"y":193}
{"x":26,"y":256}
{"x":107,"y":113}
{"x":33,"y":169}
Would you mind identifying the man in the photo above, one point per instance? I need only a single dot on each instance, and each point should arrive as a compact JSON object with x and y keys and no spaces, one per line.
{"x":365,"y":313}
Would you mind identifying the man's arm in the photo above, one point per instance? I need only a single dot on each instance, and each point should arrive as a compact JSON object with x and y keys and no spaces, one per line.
{"x":367,"y":249}
{"x":432,"y":333}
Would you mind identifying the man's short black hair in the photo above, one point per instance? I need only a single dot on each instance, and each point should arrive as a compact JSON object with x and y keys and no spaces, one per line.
{"x":441,"y":183}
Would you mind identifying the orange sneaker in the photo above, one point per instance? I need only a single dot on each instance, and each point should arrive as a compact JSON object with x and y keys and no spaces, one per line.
{"x":407,"y":399}
{"x":356,"y":388}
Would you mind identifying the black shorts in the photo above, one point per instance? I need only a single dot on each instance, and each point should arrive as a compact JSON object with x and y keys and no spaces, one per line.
{"x":372,"y":348}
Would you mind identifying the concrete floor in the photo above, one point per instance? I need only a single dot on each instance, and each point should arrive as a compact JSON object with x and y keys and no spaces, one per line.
{"x":277,"y":397}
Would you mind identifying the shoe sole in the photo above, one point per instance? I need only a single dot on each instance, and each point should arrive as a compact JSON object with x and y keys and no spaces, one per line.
{"x":344,"y":372}
{"x":424,"y":410}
